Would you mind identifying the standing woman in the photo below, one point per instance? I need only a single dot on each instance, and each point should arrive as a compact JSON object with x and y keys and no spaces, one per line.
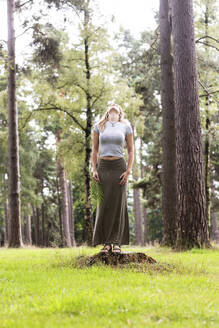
{"x":110,"y":169}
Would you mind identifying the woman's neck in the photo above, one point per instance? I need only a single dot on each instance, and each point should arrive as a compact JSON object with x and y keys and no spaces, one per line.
{"x":113,"y":121}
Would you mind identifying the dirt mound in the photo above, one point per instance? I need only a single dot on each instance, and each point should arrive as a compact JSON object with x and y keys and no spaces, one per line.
{"x":111,"y":258}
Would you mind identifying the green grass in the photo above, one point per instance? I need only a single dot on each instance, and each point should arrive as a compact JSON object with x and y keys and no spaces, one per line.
{"x":48,"y":288}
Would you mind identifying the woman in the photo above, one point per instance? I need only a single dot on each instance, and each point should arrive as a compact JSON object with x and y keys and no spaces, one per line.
{"x":112,"y":222}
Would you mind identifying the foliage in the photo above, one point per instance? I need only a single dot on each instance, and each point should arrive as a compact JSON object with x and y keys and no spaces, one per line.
{"x":96,"y":194}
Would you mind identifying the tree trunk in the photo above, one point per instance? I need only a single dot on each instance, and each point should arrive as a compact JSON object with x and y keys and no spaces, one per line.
{"x":169,"y":193}
{"x":28,"y":227}
{"x":137,"y":204}
{"x":146,"y":233}
{"x":43,"y":218}
{"x":207,"y":132}
{"x":71,"y":214}
{"x":214,"y":225}
{"x":65,"y":207}
{"x":59,"y":207}
{"x":35,"y":236}
{"x":15,"y":236}
{"x":192,"y":230}
{"x":23,"y":230}
{"x":207,"y":164}
{"x":37,"y":226}
{"x":88,"y":228}
{"x":144,"y":210}
{"x":6,"y":229}
{"x":138,"y":217}
{"x":48,"y":229}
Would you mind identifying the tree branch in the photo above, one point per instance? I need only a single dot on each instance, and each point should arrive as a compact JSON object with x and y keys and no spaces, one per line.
{"x":53,"y":107}
{"x":23,"y":32}
{"x":207,"y":36}
{"x":98,"y":97}
{"x":79,"y":86}
{"x":206,"y":90}
{"x":208,"y":45}
{"x":23,"y":4}
{"x":209,"y":93}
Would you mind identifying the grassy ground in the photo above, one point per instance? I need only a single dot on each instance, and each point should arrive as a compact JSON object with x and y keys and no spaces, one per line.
{"x":47,"y":288}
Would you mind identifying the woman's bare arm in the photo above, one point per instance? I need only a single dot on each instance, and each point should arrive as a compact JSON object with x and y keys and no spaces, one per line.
{"x":130,"y":148}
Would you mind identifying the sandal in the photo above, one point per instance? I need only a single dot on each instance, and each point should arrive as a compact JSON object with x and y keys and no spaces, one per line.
{"x":116,"y":249}
{"x":106,"y":249}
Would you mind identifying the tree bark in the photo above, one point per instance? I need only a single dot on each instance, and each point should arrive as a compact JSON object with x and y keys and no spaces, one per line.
{"x":59,"y":207}
{"x":144,"y":209}
{"x":169,"y":192}
{"x":42,"y":223}
{"x":146,"y":232}
{"x":35,"y":226}
{"x":214,"y":225}
{"x":138,"y":218}
{"x":28,"y":227}
{"x":15,"y":236}
{"x":6,"y":228}
{"x":48,"y":230}
{"x":207,"y":163}
{"x":207,"y":128}
{"x":88,"y":228}
{"x":71,"y":214}
{"x":192,"y":228}
{"x":137,"y":205}
{"x":38,"y":227}
{"x":65,"y":207}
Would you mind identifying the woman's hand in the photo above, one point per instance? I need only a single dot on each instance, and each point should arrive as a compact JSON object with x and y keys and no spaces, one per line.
{"x":96,"y":176}
{"x":124,"y":177}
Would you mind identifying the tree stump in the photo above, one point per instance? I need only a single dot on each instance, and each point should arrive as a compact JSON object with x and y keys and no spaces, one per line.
{"x":111,"y":258}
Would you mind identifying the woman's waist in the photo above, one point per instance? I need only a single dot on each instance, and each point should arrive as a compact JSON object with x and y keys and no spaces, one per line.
{"x":110,"y":158}
{"x":118,"y":163}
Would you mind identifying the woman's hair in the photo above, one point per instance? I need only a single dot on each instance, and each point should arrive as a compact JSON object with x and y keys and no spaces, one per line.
{"x":105,"y":117}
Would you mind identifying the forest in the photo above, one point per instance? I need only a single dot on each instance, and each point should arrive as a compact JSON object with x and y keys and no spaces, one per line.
{"x":63,"y":64}
{"x":50,"y":99}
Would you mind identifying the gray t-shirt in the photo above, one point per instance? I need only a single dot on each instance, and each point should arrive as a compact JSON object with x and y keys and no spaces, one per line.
{"x":112,"y":139}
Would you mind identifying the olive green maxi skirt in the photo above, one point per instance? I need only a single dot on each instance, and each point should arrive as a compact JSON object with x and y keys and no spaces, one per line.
{"x":112,"y":221}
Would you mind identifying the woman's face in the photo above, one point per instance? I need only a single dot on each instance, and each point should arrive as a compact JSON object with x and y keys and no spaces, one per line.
{"x":113,"y":115}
